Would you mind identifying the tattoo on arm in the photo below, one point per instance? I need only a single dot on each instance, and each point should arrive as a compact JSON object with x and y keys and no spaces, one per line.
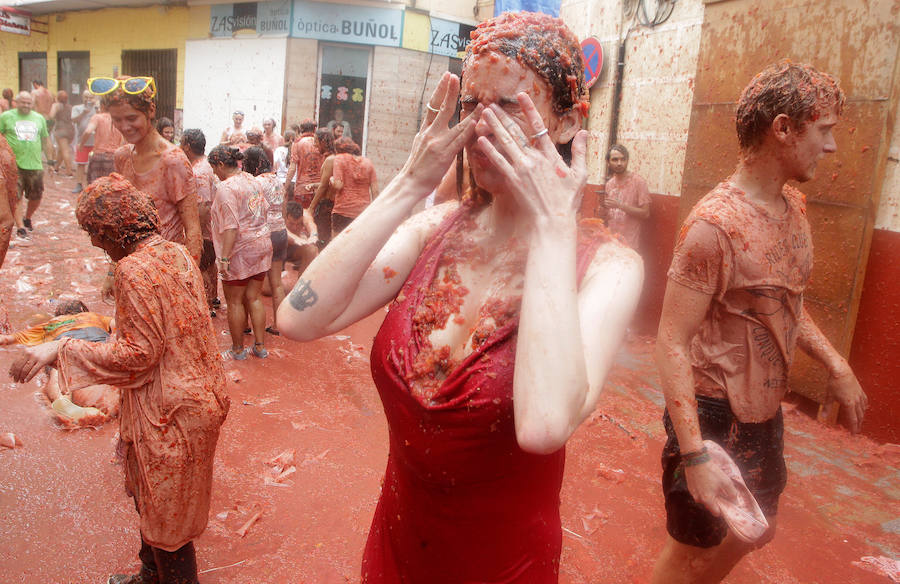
{"x":303,"y":296}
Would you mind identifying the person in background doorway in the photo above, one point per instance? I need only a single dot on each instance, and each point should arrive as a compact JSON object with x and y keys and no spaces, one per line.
{"x":337,"y":132}
{"x":165,"y":363}
{"x":193,"y":143}
{"x":243,"y":248}
{"x":234,"y":134}
{"x":354,"y":182}
{"x":43,"y":99}
{"x":732,"y":317}
{"x":63,"y":132}
{"x":306,"y":165}
{"x":81,"y":117}
{"x":627,"y":198}
{"x":166,"y":129}
{"x":339,"y":120}
{"x":26,"y":133}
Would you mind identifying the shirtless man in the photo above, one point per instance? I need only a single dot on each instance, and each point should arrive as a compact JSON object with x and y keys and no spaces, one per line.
{"x":107,"y":140}
{"x":732,"y":316}
{"x":235,"y":133}
{"x":271,"y":139}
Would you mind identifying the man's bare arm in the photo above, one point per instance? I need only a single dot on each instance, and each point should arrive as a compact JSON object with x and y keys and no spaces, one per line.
{"x":843,"y":386}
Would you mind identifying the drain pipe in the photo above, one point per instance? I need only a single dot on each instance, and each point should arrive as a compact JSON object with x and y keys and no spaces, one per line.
{"x":617,"y":95}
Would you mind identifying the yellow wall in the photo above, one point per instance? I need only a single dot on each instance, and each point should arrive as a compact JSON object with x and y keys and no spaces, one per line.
{"x":10,"y":47}
{"x":106,"y":33}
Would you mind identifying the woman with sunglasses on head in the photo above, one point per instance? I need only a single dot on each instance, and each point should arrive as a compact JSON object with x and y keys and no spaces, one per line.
{"x":165,"y":363}
{"x":240,"y":233}
{"x":152,"y":163}
{"x":504,"y":316}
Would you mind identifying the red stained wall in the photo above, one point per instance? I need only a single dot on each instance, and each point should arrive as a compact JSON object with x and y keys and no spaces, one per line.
{"x":875,"y":352}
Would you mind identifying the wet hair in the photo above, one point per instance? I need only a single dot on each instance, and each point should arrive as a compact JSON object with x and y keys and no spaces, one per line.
{"x":795,"y":89}
{"x":142,"y":102}
{"x":256,"y":162}
{"x":274,"y":123}
{"x":8,"y":93}
{"x":542,"y":43}
{"x":346,"y":146}
{"x":37,"y":82}
{"x":618,"y":148}
{"x":164,"y":123}
{"x":307,"y":126}
{"x":224,"y":154}
{"x":294,"y":209}
{"x":296,"y":129}
{"x":62,"y":96}
{"x":289,"y":137}
{"x":325,"y":137}
{"x":111,"y":207}
{"x":70,"y":307}
{"x":195,"y":140}
{"x":256,"y":133}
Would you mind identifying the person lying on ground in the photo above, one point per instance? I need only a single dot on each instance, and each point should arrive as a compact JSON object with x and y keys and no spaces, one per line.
{"x":165,"y":361}
{"x":88,"y":406}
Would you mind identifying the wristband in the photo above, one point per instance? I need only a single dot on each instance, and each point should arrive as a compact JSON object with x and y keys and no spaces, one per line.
{"x":223,"y":260}
{"x":696,"y":457}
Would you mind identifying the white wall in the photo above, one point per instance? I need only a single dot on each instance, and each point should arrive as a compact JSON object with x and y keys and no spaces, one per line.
{"x":233,"y":74}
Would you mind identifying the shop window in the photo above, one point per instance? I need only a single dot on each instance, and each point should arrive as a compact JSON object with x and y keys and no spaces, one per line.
{"x":73,"y":69}
{"x":162,"y":65}
{"x":32,"y":66}
{"x":343,"y":89}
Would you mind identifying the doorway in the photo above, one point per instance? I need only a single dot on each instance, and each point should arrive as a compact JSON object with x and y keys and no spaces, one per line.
{"x":73,"y":69}
{"x":162,"y":65}
{"x":32,"y":66}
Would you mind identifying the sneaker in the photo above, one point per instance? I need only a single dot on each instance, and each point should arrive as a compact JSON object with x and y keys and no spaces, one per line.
{"x":230,"y":354}
{"x":21,"y":233}
{"x":27,"y":223}
{"x":260,"y":351}
{"x":78,"y":188}
{"x":216,"y":303}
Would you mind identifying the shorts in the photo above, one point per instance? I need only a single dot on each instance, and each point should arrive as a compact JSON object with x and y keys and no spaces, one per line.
{"x":207,"y":256}
{"x":258,"y":277}
{"x":83,"y":154}
{"x":756,"y":448}
{"x":339,"y":223}
{"x":279,"y":245}
{"x":31,"y":184}
{"x":101,"y":164}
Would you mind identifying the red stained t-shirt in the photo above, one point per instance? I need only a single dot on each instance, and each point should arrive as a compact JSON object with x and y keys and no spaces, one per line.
{"x":168,"y":182}
{"x":631,"y":190}
{"x":241,"y":204}
{"x":357,"y":173}
{"x":756,"y":265}
{"x":305,"y":154}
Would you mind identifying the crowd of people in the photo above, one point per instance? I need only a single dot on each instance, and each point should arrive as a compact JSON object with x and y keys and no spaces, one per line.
{"x":505,"y":311}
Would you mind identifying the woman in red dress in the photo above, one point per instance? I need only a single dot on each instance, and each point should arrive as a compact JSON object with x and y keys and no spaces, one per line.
{"x":504,"y":318}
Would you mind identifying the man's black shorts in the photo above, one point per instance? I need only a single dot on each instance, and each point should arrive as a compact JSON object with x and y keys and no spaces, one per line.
{"x":758,"y":450}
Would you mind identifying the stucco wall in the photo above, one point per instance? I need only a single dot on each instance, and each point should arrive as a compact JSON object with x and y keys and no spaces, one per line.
{"x":657,"y":88}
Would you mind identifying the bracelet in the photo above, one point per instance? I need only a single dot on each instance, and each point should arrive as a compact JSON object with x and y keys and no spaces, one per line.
{"x":696,"y":457}
{"x":223,"y":260}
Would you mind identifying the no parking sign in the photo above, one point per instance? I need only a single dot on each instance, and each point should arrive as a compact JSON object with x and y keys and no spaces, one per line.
{"x":592,"y":54}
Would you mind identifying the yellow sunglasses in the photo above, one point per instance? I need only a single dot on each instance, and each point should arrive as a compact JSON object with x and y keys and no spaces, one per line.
{"x":131,"y":85}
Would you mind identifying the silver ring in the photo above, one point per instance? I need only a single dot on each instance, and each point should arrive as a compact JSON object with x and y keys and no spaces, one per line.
{"x":432,"y":109}
{"x":539,"y":134}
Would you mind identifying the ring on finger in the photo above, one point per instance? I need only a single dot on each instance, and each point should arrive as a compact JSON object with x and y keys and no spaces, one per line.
{"x":539,"y":134}
{"x":432,"y":109}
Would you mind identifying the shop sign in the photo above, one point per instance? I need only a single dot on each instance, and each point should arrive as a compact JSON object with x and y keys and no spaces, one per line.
{"x":348,"y":24}
{"x":449,"y":38}
{"x":15,"y":22}
{"x":270,"y":19}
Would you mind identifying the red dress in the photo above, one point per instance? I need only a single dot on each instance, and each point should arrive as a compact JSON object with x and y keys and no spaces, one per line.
{"x":461,"y":502}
